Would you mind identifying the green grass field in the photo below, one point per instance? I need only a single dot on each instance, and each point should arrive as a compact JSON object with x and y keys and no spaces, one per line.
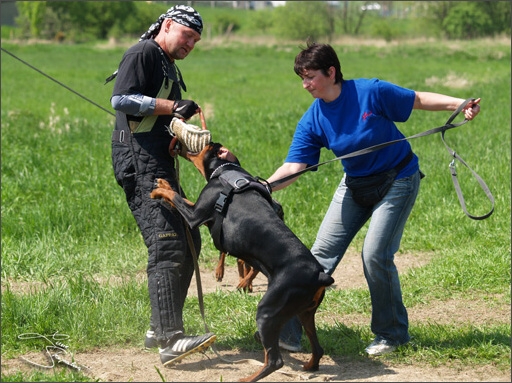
{"x":66,"y":225}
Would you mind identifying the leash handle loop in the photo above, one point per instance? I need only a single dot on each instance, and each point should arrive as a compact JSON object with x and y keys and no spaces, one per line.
{"x":453,"y":170}
{"x":458,"y":190}
{"x":456,"y":113}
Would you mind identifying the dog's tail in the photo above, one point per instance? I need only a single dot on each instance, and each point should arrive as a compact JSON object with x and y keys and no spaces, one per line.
{"x":325,"y":279}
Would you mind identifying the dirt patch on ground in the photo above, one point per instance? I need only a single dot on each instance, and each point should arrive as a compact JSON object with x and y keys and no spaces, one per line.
{"x":348,"y":274}
{"x":140,"y":365}
{"x":137,"y":365}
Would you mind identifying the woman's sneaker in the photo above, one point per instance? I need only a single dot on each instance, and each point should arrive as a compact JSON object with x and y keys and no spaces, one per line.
{"x":289,"y":347}
{"x":179,"y":348}
{"x":381,"y":346}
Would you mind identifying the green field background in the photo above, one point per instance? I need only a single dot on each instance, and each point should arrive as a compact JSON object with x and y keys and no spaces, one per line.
{"x":65,"y":222}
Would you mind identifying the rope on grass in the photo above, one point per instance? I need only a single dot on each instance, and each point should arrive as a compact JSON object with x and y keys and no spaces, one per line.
{"x":53,"y":350}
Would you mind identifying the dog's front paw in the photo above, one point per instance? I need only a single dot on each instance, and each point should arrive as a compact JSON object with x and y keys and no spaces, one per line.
{"x":166,"y":194}
{"x":245,"y":285}
{"x":156,"y":193}
{"x":161,"y":183}
{"x":219,"y":273}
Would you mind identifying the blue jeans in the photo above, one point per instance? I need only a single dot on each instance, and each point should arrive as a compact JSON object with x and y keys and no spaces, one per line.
{"x":343,"y":220}
{"x":291,"y":333}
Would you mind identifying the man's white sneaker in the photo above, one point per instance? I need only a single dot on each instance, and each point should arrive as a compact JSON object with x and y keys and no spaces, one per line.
{"x":184,"y":346}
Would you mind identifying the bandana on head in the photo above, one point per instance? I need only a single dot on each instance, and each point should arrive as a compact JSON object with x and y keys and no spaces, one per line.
{"x":181,"y":14}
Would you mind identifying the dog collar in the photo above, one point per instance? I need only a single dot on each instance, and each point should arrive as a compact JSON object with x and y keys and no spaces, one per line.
{"x":221,"y":166}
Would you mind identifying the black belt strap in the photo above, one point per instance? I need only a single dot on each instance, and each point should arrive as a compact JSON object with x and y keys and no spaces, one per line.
{"x":402,"y":164}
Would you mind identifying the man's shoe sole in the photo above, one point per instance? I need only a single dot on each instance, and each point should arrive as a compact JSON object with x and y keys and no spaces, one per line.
{"x":202,"y":347}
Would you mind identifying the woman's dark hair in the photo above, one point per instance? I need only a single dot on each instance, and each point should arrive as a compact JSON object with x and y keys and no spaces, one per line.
{"x":318,"y":57}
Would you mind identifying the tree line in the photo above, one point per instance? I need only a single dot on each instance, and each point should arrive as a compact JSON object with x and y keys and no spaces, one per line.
{"x":80,"y":21}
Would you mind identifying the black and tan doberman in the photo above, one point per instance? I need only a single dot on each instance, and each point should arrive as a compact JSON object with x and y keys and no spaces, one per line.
{"x":238,"y":211}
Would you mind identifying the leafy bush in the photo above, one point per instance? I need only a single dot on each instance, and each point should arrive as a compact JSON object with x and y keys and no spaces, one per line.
{"x":384,"y":30}
{"x":467,"y":21}
{"x":262,"y":20}
{"x":226,"y":23}
{"x":299,"y":20}
{"x":470,"y":19}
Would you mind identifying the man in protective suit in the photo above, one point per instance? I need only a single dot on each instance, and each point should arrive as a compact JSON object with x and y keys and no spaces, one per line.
{"x":146,"y":96}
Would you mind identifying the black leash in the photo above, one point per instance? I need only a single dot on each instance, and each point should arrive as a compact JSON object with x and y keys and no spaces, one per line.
{"x":482,"y":183}
{"x":448,"y":125}
{"x":58,"y":82}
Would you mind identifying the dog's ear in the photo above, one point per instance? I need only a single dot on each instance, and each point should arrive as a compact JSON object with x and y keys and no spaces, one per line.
{"x":212,"y":151}
{"x":211,"y":161}
{"x":226,"y":155}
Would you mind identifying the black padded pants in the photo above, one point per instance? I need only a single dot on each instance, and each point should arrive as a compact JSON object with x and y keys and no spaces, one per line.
{"x":137,"y":163}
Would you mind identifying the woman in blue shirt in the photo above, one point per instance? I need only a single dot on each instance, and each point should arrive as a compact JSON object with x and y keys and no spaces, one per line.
{"x":349,"y":115}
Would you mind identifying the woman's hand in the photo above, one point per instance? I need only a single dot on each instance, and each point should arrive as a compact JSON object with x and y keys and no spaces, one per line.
{"x":472,"y":109}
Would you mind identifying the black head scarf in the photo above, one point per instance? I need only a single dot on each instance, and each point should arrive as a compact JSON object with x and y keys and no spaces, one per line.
{"x":181,"y":14}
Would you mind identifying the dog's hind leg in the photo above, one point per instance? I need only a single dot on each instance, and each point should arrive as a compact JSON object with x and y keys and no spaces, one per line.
{"x":273,"y":359}
{"x":270,"y":321}
{"x":241,"y":272}
{"x":219,"y":270}
{"x":246,"y":282}
{"x":246,"y":275}
{"x":307,"y":318}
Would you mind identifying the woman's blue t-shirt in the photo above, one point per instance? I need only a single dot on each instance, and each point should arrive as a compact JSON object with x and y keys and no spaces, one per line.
{"x":362,"y":116}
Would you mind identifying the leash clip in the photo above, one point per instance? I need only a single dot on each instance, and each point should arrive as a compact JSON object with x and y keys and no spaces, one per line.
{"x":452,"y":167}
{"x":265,"y":183}
{"x":452,"y":164}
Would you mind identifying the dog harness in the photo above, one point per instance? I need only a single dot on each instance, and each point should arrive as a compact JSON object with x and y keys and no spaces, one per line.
{"x":234,"y":181}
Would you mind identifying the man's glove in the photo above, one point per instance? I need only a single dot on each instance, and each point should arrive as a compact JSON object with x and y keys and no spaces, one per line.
{"x":185,"y":109}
